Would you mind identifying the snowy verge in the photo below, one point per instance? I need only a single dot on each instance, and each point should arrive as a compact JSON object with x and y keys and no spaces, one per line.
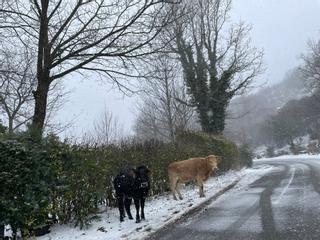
{"x":160,"y":211}
{"x":288,"y":157}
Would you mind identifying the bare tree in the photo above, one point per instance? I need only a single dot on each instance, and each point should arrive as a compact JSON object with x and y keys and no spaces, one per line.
{"x":186,"y":117}
{"x":311,"y":66}
{"x":106,"y":130}
{"x":216,"y":56}
{"x":81,"y":35}
{"x":148,"y":125}
{"x":160,"y":114}
{"x":18,"y":81}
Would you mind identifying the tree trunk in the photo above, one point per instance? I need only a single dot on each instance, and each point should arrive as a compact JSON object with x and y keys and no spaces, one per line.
{"x":203,"y":118}
{"x":168,"y":106}
{"x":41,"y":98}
{"x":217,"y":119}
{"x":43,"y":72}
{"x":10,"y":126}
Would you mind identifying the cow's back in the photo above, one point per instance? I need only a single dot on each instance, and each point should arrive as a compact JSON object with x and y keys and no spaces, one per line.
{"x":187,"y":170}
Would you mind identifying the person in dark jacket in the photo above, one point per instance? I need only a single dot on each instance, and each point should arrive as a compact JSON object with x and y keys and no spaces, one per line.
{"x":124,"y":184}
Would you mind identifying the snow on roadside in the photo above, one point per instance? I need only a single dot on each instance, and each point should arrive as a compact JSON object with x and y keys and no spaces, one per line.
{"x":159,"y":211}
{"x":288,"y":157}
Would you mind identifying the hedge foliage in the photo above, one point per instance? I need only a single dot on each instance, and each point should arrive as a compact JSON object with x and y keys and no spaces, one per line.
{"x":72,"y":181}
{"x":26,"y":181}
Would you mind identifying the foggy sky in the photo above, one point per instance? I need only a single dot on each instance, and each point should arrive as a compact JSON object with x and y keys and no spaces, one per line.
{"x":281,"y":27}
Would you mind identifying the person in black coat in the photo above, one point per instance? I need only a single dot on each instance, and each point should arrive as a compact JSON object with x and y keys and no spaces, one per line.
{"x":124,"y":184}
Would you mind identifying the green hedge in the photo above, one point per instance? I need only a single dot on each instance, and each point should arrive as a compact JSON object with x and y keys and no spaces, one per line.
{"x":26,"y":182}
{"x":201,"y":144}
{"x":72,"y":181}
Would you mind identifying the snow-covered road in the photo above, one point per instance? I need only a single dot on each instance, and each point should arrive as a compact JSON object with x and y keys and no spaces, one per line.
{"x":283,"y":204}
{"x":160,"y":211}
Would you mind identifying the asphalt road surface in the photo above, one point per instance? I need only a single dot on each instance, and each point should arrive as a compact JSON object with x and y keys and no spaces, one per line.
{"x":283,"y":204}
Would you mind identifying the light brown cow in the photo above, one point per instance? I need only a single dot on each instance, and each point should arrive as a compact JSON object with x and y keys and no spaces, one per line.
{"x":198,"y":169}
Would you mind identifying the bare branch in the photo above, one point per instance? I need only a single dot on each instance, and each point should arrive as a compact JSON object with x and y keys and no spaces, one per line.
{"x":72,"y":36}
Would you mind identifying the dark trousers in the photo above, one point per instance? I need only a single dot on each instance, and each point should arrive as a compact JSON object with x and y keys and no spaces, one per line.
{"x":124,"y":202}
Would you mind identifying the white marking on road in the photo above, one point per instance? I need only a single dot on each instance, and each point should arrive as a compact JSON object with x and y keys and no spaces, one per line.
{"x":286,"y":187}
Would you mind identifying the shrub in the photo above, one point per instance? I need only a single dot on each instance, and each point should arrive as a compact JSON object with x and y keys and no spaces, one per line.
{"x":26,"y":180}
{"x":270,"y":152}
{"x":3,"y":129}
{"x":313,"y":147}
{"x":297,"y":149}
{"x":245,"y":155}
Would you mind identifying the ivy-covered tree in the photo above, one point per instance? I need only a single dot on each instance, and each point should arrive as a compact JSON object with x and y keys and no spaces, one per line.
{"x":217,"y":58}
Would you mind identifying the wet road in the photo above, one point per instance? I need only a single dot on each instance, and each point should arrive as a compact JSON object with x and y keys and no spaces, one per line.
{"x":283,"y":204}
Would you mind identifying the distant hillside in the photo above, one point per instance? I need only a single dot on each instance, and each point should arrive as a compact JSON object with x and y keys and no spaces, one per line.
{"x":246,"y":113}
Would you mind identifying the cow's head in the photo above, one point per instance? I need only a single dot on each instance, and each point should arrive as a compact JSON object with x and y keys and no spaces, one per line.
{"x":143,"y":173}
{"x":213,"y":161}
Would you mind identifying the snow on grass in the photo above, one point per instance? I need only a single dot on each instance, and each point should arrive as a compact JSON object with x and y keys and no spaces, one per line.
{"x":159,"y":211}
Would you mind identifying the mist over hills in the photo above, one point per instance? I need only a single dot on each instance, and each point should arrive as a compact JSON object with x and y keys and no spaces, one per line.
{"x":246,"y":114}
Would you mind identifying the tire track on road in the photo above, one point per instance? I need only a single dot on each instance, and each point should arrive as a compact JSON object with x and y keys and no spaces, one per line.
{"x":269,"y":230}
{"x":263,"y":205}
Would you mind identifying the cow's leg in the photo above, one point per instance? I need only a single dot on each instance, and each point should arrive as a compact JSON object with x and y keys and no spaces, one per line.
{"x":127,"y":203}
{"x":120,"y":199}
{"x":178,"y":190}
{"x":173,"y":185}
{"x":137,"y":204}
{"x":142,"y":208}
{"x":200,"y":183}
